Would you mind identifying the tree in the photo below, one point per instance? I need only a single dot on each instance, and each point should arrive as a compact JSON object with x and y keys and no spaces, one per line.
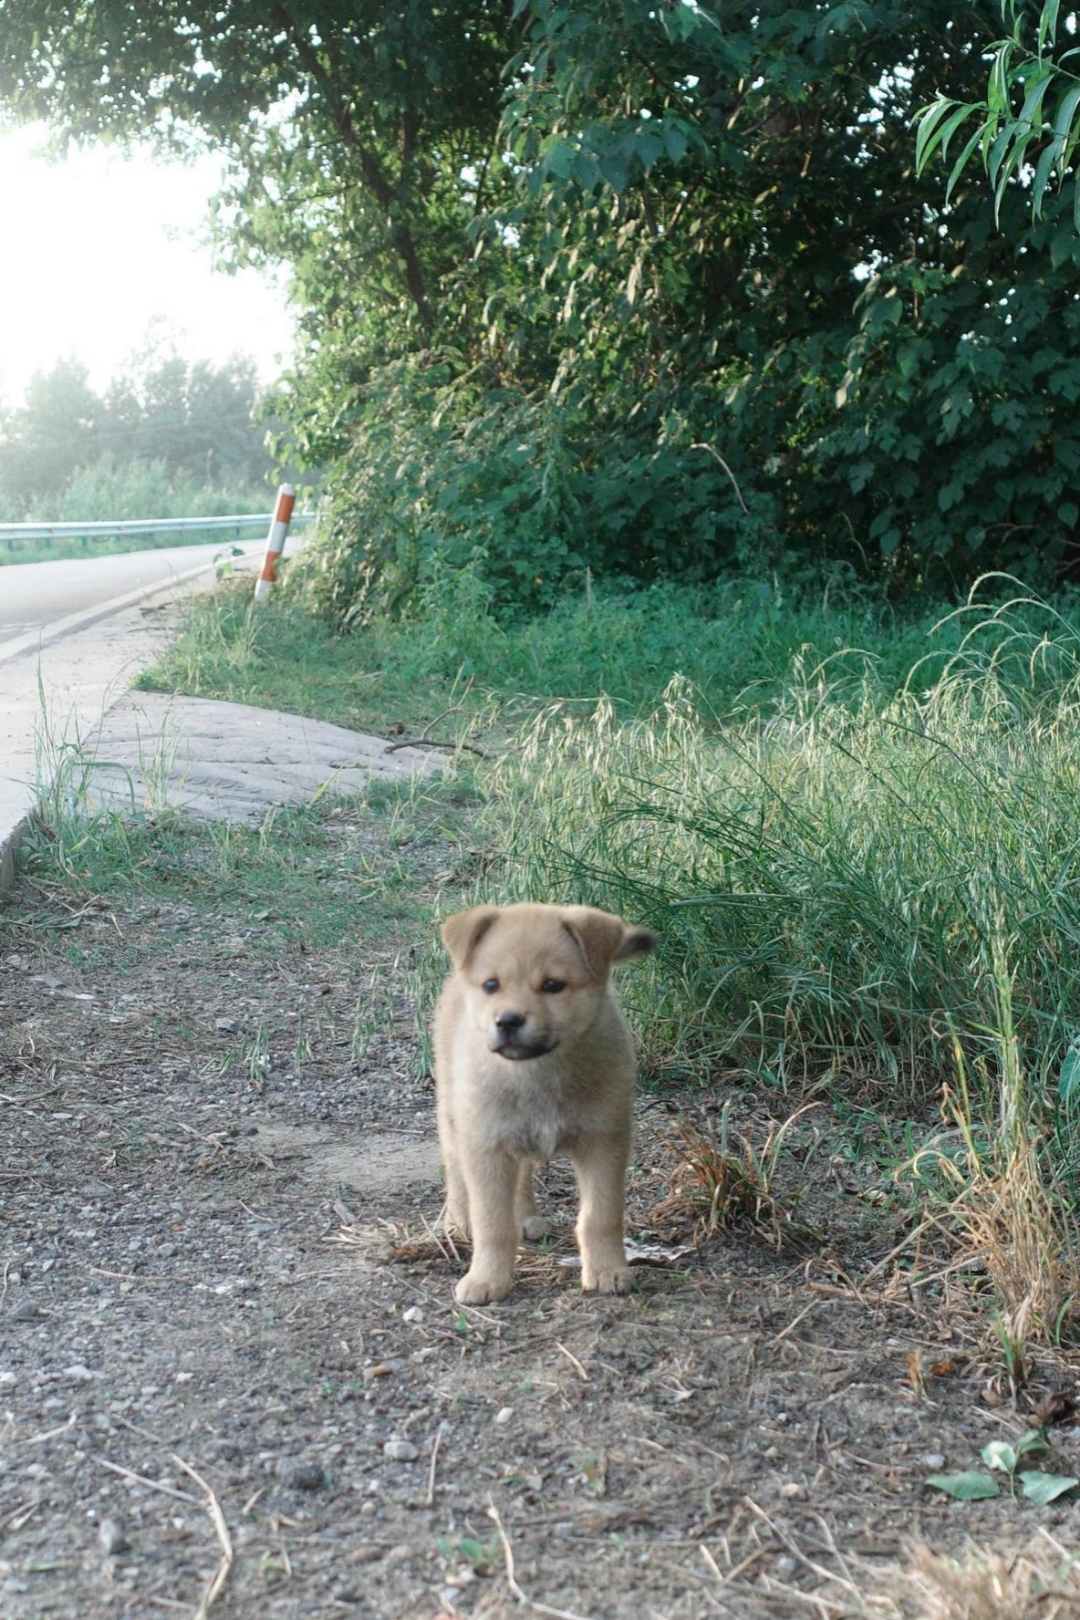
{"x":195,"y":422}
{"x":350,"y":123}
{"x":57,"y":429}
{"x":1028,"y":127}
{"x":645,"y":288}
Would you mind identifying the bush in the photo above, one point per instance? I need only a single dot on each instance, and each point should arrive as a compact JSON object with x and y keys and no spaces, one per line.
{"x":527,"y":490}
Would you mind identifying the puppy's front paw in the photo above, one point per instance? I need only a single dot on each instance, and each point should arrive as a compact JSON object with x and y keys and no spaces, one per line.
{"x":537,"y":1226}
{"x":614,"y":1280}
{"x":476,"y":1289}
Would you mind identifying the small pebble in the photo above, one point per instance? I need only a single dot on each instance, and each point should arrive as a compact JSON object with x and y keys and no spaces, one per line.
{"x":784,"y":1566}
{"x":413,"y":1314}
{"x":400,"y":1451}
{"x":933,"y":1459}
{"x":24,"y":1311}
{"x":112,"y":1538}
{"x":504,"y":1414}
{"x":301,"y":1476}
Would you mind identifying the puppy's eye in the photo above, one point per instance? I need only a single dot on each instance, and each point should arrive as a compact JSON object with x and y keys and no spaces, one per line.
{"x":551,"y":987}
{"x":490,"y":986}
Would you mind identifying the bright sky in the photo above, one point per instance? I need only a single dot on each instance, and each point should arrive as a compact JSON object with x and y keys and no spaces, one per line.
{"x":100,"y":245}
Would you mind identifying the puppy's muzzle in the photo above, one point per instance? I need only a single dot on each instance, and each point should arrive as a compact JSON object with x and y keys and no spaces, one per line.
{"x":509,"y":1040}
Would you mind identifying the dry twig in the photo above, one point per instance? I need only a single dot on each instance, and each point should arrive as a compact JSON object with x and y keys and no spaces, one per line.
{"x":511,"y":1579}
{"x":574,"y":1362}
{"x":221,"y":1574}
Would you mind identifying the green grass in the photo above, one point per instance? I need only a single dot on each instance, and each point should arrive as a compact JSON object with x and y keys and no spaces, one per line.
{"x":305,"y":875}
{"x":830,"y":884}
{"x":454,"y":666}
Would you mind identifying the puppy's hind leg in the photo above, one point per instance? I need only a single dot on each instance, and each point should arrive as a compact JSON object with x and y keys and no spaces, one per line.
{"x":533,"y":1225}
{"x":457,"y":1198}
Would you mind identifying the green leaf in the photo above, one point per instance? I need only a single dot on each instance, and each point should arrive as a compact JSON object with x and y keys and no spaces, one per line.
{"x":1048,"y":22}
{"x":1030,"y":1441}
{"x":1039,"y":1487}
{"x":999,"y":1454}
{"x":962,"y":161}
{"x":927,"y":136}
{"x":1066,"y":112}
{"x":951,"y":125}
{"x":968,"y":1487}
{"x":1069,"y":1078}
{"x":676,"y":142}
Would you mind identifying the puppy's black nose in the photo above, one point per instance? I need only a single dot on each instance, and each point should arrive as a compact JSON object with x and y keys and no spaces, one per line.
{"x":509,"y":1021}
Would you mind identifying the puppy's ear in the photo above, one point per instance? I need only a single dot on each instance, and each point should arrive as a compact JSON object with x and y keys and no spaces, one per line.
{"x":462,"y":932}
{"x":636,"y":942}
{"x":602,"y":938}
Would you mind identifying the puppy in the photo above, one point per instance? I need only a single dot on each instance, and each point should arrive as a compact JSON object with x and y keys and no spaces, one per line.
{"x":534,"y":1058}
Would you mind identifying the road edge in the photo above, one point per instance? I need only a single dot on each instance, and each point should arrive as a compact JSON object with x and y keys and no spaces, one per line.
{"x":12,"y":836}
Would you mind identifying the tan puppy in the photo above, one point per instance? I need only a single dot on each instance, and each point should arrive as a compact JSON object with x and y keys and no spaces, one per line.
{"x":533,"y":1058}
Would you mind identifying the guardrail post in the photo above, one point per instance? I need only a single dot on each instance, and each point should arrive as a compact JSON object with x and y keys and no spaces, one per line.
{"x":275,"y":541}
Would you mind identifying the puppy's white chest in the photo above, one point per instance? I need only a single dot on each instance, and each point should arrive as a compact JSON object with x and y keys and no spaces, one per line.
{"x":540,"y":1139}
{"x":526,"y":1119}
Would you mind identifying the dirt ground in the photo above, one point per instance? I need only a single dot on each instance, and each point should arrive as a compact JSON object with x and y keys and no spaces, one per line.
{"x":233,"y":1378}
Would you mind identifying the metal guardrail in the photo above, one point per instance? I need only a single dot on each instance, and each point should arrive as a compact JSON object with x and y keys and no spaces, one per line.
{"x":12,"y":533}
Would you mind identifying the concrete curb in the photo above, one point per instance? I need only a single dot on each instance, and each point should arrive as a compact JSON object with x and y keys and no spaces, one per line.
{"x":12,"y":835}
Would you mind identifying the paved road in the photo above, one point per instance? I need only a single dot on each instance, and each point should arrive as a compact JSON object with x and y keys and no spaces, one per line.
{"x":72,"y":637}
{"x":33,"y":595}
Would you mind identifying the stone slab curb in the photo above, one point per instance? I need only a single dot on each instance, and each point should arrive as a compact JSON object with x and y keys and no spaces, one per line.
{"x":14,"y":825}
{"x":232,"y":761}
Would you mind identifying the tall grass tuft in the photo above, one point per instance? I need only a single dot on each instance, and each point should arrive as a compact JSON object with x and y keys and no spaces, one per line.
{"x":1006,"y":1203}
{"x":828,"y":882}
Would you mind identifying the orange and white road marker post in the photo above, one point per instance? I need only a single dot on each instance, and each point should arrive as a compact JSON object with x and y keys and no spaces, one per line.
{"x":275,"y":541}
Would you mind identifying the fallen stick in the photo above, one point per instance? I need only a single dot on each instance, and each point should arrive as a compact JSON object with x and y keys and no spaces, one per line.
{"x":221,"y":1574}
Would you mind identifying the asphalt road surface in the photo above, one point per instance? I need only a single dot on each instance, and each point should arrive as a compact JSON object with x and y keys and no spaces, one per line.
{"x":33,"y":595}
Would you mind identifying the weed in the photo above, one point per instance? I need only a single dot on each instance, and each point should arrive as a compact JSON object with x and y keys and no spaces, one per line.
{"x":721,"y":1179}
{"x":1007,"y":1459}
{"x":1004,"y":1200}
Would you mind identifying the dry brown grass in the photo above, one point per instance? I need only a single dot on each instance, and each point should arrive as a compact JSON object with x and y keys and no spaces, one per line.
{"x":1014,"y":1222}
{"x":1006,"y":1206}
{"x":721,"y":1179}
{"x":1011,"y":1221}
{"x":1041,"y":1582}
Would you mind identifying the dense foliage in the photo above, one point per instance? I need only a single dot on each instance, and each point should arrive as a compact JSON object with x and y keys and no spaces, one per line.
{"x":648,"y":290}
